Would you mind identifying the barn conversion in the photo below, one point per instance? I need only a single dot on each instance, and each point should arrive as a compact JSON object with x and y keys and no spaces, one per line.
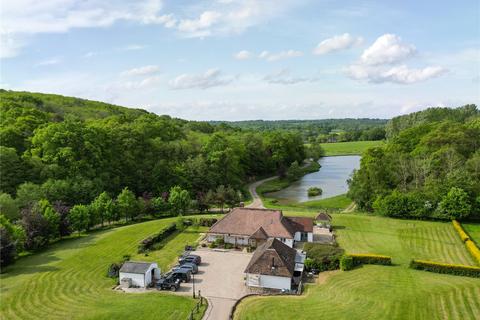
{"x":138,"y":274}
{"x":249,"y":226}
{"x":274,"y":265}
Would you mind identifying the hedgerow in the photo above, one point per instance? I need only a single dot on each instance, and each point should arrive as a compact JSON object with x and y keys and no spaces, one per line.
{"x":454,"y":269}
{"x":148,"y":243}
{"x":458,"y":227}
{"x":473,"y":249}
{"x":355,"y":259}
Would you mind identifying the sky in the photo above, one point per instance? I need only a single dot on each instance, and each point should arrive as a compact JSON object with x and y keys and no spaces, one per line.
{"x":246,"y":59}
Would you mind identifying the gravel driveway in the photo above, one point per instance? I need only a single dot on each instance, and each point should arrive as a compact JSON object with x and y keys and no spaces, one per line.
{"x":220,"y":280}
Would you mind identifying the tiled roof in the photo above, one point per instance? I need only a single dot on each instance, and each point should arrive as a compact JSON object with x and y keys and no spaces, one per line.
{"x":301,"y":224}
{"x":246,"y":221}
{"x":273,"y":258}
{"x":323,"y":216}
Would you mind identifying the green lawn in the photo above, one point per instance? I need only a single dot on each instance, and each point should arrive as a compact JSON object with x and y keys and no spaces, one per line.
{"x":383,"y":292}
{"x":337,"y":203}
{"x":68,"y":280}
{"x":349,"y":148}
{"x":473,"y":231}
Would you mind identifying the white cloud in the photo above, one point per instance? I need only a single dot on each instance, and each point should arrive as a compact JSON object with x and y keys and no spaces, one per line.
{"x":396,"y":74}
{"x":379,"y":63}
{"x":133,"y":47}
{"x":337,"y":43}
{"x":243,"y":55}
{"x":284,"y":77}
{"x":201,"y":25}
{"x":141,"y":71}
{"x":211,"y":78}
{"x":49,"y":62}
{"x":388,"y":48}
{"x":280,"y":55}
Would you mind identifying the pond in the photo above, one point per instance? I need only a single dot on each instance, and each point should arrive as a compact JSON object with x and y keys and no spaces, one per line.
{"x":331,"y":178}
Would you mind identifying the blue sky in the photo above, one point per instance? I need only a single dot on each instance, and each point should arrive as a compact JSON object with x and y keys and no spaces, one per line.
{"x":238,"y":60}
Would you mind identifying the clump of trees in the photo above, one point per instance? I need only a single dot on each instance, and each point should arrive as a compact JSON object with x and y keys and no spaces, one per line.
{"x":430,"y":167}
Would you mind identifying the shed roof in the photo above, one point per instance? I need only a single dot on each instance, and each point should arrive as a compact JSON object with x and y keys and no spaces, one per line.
{"x":301,"y":224}
{"x":323,"y":216}
{"x":273,"y":258}
{"x":136,"y":267}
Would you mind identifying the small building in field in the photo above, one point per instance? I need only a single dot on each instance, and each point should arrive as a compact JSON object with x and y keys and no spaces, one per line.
{"x":323,"y":217}
{"x":274,"y":265}
{"x":138,"y":274}
{"x":252,"y":227}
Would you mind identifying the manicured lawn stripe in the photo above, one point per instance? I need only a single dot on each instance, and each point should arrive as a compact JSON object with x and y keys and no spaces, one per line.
{"x":68,"y":280}
{"x":380,"y":292}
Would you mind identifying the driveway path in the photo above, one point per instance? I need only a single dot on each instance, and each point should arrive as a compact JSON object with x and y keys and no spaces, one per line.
{"x":257,"y":201}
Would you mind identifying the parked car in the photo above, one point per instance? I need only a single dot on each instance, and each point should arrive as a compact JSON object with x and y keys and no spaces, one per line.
{"x":168,"y":282}
{"x":191,"y":258}
{"x":183,"y":275}
{"x":188,"y":266}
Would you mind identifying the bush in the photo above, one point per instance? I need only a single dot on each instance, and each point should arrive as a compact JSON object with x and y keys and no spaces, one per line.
{"x":147,"y":243}
{"x":213,"y":245}
{"x":454,"y":269}
{"x":322,"y":257}
{"x":473,"y":249}
{"x":460,"y":231}
{"x":314,"y":191}
{"x":353,"y":260}
{"x":204,"y":222}
{"x":346,"y":263}
{"x":228,"y":246}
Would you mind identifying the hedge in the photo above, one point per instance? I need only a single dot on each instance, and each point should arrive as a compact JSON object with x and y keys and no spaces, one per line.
{"x":147,"y":243}
{"x":454,"y":269}
{"x":360,"y":258}
{"x":463,"y":235}
{"x":473,"y":249}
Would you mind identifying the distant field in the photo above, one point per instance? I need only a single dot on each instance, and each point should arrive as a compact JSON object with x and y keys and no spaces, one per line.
{"x":382,"y":292}
{"x":473,"y":231}
{"x":68,"y":280}
{"x":349,"y":148}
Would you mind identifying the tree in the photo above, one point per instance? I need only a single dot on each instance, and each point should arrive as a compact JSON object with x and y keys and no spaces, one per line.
{"x":36,"y":227}
{"x":160,"y":204}
{"x":455,"y":205}
{"x":220,"y":196}
{"x":28,"y":193}
{"x":15,"y":232}
{"x":127,"y":204}
{"x":51,"y":216}
{"x":9,"y":207}
{"x":179,"y":200}
{"x":294,"y":171}
{"x":63,"y":211}
{"x":12,"y":169}
{"x":233,"y":197}
{"x":80,"y":217}
{"x":102,"y":207}
{"x":8,"y":250}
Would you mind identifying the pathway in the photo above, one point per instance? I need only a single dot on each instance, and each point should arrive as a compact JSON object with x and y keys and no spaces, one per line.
{"x":257,"y":201}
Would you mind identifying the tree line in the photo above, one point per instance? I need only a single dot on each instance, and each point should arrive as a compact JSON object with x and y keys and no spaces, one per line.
{"x":429,"y":168}
{"x":72,"y":164}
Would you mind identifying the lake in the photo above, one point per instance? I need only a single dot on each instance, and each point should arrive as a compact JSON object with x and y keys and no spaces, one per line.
{"x":332,"y":178}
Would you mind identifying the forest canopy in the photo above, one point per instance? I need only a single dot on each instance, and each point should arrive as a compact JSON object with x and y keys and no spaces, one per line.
{"x":429,"y":168}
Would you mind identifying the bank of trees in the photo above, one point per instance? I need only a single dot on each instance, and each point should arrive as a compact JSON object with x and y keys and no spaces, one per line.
{"x":68,"y":164}
{"x":430,"y":167}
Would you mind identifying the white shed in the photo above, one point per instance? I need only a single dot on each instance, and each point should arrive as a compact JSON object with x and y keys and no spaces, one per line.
{"x":139,"y":274}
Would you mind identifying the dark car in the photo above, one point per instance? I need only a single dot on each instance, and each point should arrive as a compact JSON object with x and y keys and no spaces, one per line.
{"x":183,"y":275}
{"x":190,"y":258}
{"x":168,"y":283}
{"x":187,"y":266}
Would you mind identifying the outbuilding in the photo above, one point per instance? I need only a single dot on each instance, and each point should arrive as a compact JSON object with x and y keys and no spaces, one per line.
{"x":138,"y":274}
{"x":274,"y":265}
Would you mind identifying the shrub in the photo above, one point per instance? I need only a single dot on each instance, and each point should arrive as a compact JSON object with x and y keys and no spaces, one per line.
{"x":228,"y":246}
{"x":213,"y":245}
{"x":147,"y":243}
{"x":205,"y":222}
{"x":323,"y":256}
{"x":454,"y":269}
{"x":473,"y":249}
{"x":460,"y":231}
{"x":346,"y":263}
{"x":314,"y":191}
{"x":359,"y":259}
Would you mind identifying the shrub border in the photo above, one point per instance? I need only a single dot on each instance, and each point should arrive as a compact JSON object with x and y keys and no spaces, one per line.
{"x":445,"y":268}
{"x":363,"y":258}
{"x":471,"y":246}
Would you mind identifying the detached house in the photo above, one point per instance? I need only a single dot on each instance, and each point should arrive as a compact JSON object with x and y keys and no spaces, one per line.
{"x":249,"y":226}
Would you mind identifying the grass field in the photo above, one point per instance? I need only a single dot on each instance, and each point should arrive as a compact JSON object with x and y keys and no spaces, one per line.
{"x":349,"y":148}
{"x":337,"y":203}
{"x":68,"y":280}
{"x":473,"y":231}
{"x":383,"y":292}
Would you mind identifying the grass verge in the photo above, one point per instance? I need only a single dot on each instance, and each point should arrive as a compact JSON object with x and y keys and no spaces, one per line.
{"x":349,"y":148}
